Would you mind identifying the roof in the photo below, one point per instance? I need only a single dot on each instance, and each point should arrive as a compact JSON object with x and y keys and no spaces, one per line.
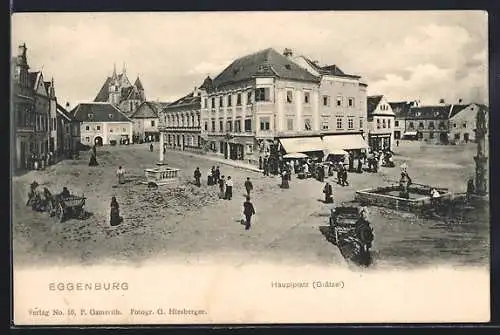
{"x":138,"y":84}
{"x":32,"y":76}
{"x":372,"y":103}
{"x":189,"y":99}
{"x":400,"y":108}
{"x":61,"y":110}
{"x":266,"y":62}
{"x":207,"y":84}
{"x":98,"y":112}
{"x":329,"y":69}
{"x":103,"y":94}
{"x":439,"y":112}
{"x":455,"y":109}
{"x":154,"y":107}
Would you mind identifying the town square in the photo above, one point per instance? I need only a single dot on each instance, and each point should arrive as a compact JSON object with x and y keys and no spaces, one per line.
{"x":257,"y":157}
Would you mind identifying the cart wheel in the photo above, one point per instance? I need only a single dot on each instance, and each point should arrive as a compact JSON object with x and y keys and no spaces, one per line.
{"x":60,"y":212}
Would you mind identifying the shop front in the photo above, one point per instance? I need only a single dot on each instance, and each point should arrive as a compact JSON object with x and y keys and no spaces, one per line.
{"x":379,"y":141}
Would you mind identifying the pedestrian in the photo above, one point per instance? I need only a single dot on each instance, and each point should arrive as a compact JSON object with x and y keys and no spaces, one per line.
{"x":209,"y":178}
{"x":222,"y":185}
{"x":151,"y":147}
{"x":120,"y":173}
{"x":328,"y":191}
{"x":397,"y":143}
{"x":265,"y":167}
{"x":360,"y":165}
{"x":229,"y":188}
{"x":248,"y":186}
{"x":248,"y":211}
{"x":284,"y":180}
{"x":217,"y":174}
{"x":197,"y":176}
{"x":470,"y":188}
{"x":260,"y":162}
{"x":115,"y":218}
{"x":344,"y":177}
{"x":93,"y":157}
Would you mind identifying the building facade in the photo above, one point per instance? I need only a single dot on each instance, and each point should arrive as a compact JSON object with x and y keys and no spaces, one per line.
{"x":180,"y":122}
{"x":462,"y":122}
{"x":401,"y":110}
{"x":68,"y":132}
{"x":119,"y":91}
{"x":32,"y":99}
{"x":429,"y":123}
{"x":102,"y":123}
{"x":146,"y":121}
{"x":380,"y":123}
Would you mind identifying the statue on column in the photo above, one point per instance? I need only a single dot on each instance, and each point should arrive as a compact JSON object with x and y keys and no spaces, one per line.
{"x":481,"y":158}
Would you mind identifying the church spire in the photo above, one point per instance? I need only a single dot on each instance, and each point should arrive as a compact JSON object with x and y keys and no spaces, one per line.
{"x":114,"y":70}
{"x":124,"y":71}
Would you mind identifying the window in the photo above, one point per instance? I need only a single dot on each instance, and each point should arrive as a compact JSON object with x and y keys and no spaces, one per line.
{"x":289,"y":124}
{"x":152,"y":123}
{"x":221,"y":102}
{"x":324,"y":125}
{"x":326,"y":100}
{"x":238,"y":99}
{"x":206,"y":126}
{"x":396,"y":123}
{"x":98,"y":127}
{"x":229,"y":100}
{"x":442,"y":125}
{"x":87,"y":139}
{"x":378,"y":123}
{"x":221,"y":126}
{"x":229,"y":127}
{"x":383,"y":123}
{"x":307,"y":124}
{"x":431,"y":134}
{"x":87,"y":128}
{"x":360,"y":123}
{"x":457,"y":136}
{"x":248,"y":125}
{"x":237,"y":126}
{"x":464,"y":125}
{"x":249,"y":97}
{"x":421,"y":125}
{"x":249,"y":148}
{"x":431,"y":124}
{"x":90,"y":115}
{"x":289,"y":96}
{"x":350,"y":102}
{"x":350,"y":123}
{"x":213,"y":126}
{"x":388,"y":123}
{"x":262,"y":94}
{"x":265,"y":124}
{"x":213,"y":103}
{"x":307,"y":96}
{"x":339,"y":123}
{"x":339,"y":101}
{"x":124,"y":130}
{"x":410,"y":125}
{"x":454,"y":125}
{"x":110,"y":130}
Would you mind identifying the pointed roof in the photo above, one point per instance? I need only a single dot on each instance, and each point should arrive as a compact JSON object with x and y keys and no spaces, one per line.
{"x":103,"y":94}
{"x":372,"y":103}
{"x":98,"y":112}
{"x":64,"y":113}
{"x":266,"y":62}
{"x":455,"y":109}
{"x":207,"y":84}
{"x":33,"y":76}
{"x":138,"y":84}
{"x":400,"y":108}
{"x":149,"y":109}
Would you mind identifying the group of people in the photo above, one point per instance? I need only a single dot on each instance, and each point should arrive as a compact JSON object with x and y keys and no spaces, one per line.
{"x":39,"y":162}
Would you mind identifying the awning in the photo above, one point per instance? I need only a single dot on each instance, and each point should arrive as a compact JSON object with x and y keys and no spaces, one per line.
{"x":302,"y":144}
{"x":344,"y":142}
{"x":410,"y":133}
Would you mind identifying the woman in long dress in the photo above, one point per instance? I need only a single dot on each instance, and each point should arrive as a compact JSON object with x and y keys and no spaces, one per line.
{"x":115,"y":218}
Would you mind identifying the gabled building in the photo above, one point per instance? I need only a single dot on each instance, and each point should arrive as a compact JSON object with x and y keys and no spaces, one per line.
{"x":146,"y":120}
{"x":68,"y":132}
{"x":380,"y":123}
{"x":462,"y":122}
{"x":429,"y":123}
{"x":102,"y":123}
{"x":119,"y":91}
{"x":401,"y":110}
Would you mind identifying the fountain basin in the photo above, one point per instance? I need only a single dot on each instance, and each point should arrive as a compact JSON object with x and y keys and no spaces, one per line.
{"x":161,"y":175}
{"x":388,"y":196}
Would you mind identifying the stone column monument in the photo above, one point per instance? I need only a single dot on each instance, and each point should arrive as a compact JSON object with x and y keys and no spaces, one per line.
{"x":481,"y":158}
{"x":162,"y":147}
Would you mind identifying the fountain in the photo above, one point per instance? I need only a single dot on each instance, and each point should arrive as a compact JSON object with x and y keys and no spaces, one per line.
{"x":162,"y":174}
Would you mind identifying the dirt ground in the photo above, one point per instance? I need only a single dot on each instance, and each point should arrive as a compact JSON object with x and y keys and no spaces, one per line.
{"x":188,"y":222}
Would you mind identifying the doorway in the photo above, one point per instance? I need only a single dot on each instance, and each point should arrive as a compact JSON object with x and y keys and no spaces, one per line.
{"x":98,"y":141}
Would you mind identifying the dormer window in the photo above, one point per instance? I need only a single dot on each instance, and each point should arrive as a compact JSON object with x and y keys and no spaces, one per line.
{"x":90,"y":115}
{"x":287,"y":66}
{"x":436,"y":114}
{"x":418,"y":114}
{"x":110,"y":116}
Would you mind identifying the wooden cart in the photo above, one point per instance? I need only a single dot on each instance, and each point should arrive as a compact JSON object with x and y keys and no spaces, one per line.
{"x":64,"y":207}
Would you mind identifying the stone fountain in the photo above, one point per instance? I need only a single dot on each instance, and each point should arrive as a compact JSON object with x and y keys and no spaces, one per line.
{"x":161,"y":174}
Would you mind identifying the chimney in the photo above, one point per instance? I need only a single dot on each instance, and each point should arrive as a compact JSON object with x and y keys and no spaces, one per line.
{"x":22,"y":50}
{"x":287,"y":52}
{"x":460,"y":100}
{"x":441,"y":101}
{"x":67,"y":106}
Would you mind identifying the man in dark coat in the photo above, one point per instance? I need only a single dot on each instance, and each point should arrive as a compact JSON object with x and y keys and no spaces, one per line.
{"x":222,"y":186}
{"x":248,"y":211}
{"x":260,"y":163}
{"x":217,"y":175}
{"x":248,"y":186}
{"x":328,"y":191}
{"x":197,"y":176}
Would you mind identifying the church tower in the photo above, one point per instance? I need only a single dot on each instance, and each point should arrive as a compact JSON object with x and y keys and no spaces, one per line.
{"x":114,"y":88}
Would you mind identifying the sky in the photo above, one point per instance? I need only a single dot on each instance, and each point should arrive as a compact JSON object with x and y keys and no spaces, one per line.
{"x":404,"y":55}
